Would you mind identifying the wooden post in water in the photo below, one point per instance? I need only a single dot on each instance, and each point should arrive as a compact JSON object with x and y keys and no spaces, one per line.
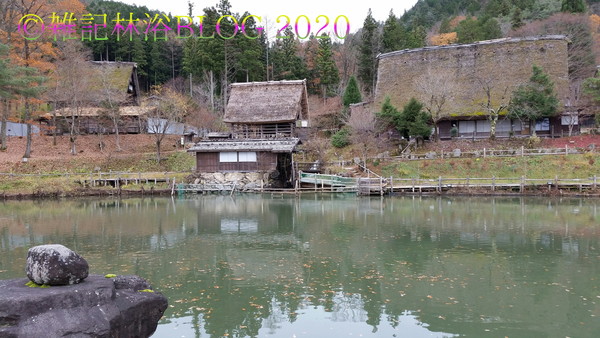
{"x":522,"y":185}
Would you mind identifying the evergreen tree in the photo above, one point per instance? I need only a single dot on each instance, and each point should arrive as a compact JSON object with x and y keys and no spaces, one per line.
{"x":534,"y":100}
{"x":472,"y":30}
{"x":411,"y":121}
{"x":352,"y":93}
{"x":516,"y":20}
{"x":14,"y":82}
{"x":368,"y":50}
{"x":392,"y":37}
{"x":389,"y":116}
{"x":327,"y":70}
{"x":573,"y":6}
{"x":415,"y":120}
{"x":287,"y":64}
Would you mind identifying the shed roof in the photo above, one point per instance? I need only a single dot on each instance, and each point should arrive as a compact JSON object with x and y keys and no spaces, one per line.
{"x":267,"y":102}
{"x":286,"y":145}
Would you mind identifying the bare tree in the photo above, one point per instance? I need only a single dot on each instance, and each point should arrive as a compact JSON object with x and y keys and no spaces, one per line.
{"x":171,"y":109}
{"x":496,"y":101}
{"x":73,"y":74}
{"x":363,"y":125}
{"x":436,"y":91}
{"x":109,"y":100}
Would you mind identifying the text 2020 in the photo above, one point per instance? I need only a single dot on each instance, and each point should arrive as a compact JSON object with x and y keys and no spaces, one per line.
{"x":321,"y":33}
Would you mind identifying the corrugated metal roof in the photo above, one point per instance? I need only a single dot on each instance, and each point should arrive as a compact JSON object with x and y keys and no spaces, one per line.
{"x":276,"y":145}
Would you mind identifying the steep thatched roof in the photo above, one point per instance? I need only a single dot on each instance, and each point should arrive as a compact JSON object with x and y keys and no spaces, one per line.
{"x":267,"y":102}
{"x":275,"y":145}
{"x":120,"y":77}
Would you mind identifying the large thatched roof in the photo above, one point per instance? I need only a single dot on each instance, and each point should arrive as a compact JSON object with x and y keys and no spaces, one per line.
{"x":120,"y":77}
{"x":275,"y":145}
{"x":267,"y":102}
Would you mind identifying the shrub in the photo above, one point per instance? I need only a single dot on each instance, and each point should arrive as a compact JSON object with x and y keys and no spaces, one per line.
{"x":341,"y":138}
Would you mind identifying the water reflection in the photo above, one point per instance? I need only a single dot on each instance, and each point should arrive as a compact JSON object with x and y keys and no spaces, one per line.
{"x":256,"y":266}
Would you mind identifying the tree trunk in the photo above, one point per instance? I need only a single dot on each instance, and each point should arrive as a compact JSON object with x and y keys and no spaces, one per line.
{"x":158,"y":151}
{"x":493,"y":120}
{"x":55,"y":127}
{"x":28,"y":146}
{"x":27,"y":118}
{"x":3,"y":144}
{"x":117,"y":137}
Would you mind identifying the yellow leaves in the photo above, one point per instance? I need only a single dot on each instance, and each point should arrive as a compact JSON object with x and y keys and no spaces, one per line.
{"x":443,"y":39}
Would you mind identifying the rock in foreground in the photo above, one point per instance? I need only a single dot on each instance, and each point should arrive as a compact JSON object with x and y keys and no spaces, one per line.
{"x":55,"y":264}
{"x":97,"y":307}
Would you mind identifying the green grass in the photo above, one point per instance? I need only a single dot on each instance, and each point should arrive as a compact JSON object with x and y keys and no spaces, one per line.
{"x":571,"y":166}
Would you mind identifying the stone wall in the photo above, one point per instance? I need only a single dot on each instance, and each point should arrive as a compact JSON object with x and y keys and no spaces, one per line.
{"x":506,"y":62}
{"x":243,"y":181}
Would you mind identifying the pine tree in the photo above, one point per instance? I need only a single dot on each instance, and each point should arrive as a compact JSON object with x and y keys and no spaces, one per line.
{"x":534,"y":100}
{"x":326,"y":67}
{"x":392,"y":37}
{"x":15,"y":81}
{"x":287,"y":64}
{"x":573,"y":6}
{"x":352,"y":93}
{"x":516,"y":20}
{"x":368,"y":50}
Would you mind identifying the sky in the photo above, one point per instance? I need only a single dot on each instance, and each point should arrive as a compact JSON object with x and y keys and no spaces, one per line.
{"x":270,"y":10}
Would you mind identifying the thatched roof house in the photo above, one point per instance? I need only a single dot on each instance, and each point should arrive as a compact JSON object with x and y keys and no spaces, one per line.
{"x":267,"y":102}
{"x":116,"y":79}
{"x":266,"y":109}
{"x":459,"y":70}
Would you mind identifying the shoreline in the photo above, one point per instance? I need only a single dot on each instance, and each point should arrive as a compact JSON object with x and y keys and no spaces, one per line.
{"x":84,"y":192}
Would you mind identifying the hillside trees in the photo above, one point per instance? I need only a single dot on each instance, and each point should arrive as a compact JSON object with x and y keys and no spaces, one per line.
{"x":326,"y":68}
{"x":573,"y":6}
{"x":367,"y":65}
{"x":16,"y":82}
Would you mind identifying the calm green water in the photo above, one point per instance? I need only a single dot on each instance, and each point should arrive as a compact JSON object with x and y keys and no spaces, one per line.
{"x":337,"y":265}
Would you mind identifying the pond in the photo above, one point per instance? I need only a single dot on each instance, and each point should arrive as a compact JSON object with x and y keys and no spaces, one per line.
{"x":319,"y":265}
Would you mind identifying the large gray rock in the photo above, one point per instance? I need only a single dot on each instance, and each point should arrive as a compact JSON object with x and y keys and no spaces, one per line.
{"x":96,"y":307}
{"x":55,"y":264}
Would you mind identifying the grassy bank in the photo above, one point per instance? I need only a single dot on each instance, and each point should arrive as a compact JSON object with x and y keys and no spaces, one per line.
{"x":48,"y":177}
{"x":570,"y":166}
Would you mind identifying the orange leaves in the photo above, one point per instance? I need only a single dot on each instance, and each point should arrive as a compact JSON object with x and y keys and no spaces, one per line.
{"x":443,"y":39}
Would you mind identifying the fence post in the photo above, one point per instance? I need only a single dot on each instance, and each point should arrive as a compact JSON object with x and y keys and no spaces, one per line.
{"x":595,"y":181}
{"x":392,"y":184}
{"x":484,"y":152}
{"x":556,"y":182}
{"x":522,"y":151}
{"x":494,"y":183}
{"x":440,"y":184}
{"x":566,"y":149}
{"x":522,"y":184}
{"x":467,"y":182}
{"x":413,"y":185}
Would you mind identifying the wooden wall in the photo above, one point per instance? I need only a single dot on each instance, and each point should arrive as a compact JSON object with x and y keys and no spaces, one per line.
{"x":209,"y":162}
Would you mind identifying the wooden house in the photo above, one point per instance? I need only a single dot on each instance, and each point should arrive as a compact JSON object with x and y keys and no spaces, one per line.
{"x":263,"y":117}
